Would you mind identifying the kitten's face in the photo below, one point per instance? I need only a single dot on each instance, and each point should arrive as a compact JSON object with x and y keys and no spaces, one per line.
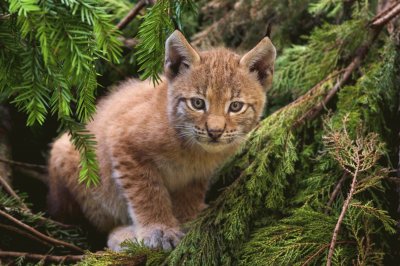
{"x":215,"y":98}
{"x":216,"y":103}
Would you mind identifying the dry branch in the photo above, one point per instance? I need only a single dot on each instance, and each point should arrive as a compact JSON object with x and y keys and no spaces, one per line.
{"x":336,"y":191}
{"x":24,"y":234}
{"x":342,"y":214}
{"x":41,"y":257}
{"x":133,"y":13}
{"x":32,"y":173}
{"x":386,"y":15}
{"x":321,"y":250}
{"x":39,"y":234}
{"x":27,"y":165}
{"x":12,"y":193}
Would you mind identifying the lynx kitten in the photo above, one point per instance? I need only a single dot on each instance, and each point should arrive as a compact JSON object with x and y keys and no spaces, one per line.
{"x":158,"y":147}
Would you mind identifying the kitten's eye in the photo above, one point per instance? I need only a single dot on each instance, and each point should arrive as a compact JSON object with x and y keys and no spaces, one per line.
{"x":236,"y":107}
{"x":198,"y":103}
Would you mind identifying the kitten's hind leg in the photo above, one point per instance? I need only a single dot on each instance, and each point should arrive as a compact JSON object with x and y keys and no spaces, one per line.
{"x":62,"y":206}
{"x":119,"y":235}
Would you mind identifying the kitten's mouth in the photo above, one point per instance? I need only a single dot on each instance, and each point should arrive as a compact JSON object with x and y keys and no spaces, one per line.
{"x":215,"y":144}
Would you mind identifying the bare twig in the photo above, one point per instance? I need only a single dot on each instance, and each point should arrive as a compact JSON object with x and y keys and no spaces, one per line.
{"x":342,"y":213}
{"x":12,"y":193}
{"x":35,"y":174}
{"x":65,"y":226}
{"x":386,"y":15}
{"x":319,"y":251}
{"x":41,"y":257}
{"x":313,"y":256}
{"x":39,"y":234}
{"x":25,"y":208}
{"x":27,"y":165}
{"x":5,"y":16}
{"x":24,"y":234}
{"x":336,"y":191}
{"x":133,"y":13}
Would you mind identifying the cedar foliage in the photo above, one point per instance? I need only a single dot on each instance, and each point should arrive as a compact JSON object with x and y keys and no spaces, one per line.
{"x":277,"y":205}
{"x":279,"y":199}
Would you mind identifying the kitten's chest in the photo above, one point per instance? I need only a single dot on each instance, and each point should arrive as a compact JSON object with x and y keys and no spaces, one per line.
{"x":179,"y":171}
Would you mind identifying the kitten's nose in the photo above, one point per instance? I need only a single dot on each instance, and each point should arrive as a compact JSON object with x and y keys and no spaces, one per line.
{"x":215,"y":130}
{"x":215,"y":134}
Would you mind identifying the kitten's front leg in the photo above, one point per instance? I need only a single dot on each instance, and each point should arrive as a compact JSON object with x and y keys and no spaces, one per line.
{"x":189,"y":200}
{"x":149,"y":204}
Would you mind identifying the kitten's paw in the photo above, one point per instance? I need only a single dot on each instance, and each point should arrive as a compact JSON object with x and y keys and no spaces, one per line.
{"x":119,"y":235}
{"x":160,"y":236}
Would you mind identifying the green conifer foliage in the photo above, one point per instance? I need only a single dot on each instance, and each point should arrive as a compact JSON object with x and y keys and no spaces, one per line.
{"x":47,"y":62}
{"x":279,"y":199}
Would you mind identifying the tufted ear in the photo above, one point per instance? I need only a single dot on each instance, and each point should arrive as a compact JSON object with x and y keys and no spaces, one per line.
{"x":261,"y":60}
{"x":179,"y":55}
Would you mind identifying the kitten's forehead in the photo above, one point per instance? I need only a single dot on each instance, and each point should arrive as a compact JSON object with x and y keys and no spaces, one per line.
{"x":218,"y":73}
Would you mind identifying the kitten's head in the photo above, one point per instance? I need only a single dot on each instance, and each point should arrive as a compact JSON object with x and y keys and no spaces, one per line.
{"x":216,"y":97}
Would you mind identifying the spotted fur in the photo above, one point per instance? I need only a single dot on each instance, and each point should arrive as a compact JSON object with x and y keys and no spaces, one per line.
{"x":156,"y":151}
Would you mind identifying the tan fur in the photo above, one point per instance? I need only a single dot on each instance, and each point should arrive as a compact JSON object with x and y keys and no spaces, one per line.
{"x":155,"y":152}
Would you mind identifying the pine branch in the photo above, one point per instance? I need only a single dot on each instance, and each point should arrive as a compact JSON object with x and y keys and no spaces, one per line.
{"x":41,"y":257}
{"x":39,"y":234}
{"x":12,"y":193}
{"x":133,"y":13}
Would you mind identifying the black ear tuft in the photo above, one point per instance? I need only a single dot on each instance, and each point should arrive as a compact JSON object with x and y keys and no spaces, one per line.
{"x":269,"y":30}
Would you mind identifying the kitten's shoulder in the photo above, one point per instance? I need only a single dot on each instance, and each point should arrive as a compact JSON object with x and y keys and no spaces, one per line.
{"x":125,"y":91}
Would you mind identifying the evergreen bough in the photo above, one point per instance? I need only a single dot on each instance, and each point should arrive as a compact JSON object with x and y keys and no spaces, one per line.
{"x":279,"y":199}
{"x":277,"y":205}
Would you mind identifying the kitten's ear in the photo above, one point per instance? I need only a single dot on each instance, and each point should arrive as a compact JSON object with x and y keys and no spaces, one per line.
{"x":179,"y":55}
{"x":261,"y":60}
